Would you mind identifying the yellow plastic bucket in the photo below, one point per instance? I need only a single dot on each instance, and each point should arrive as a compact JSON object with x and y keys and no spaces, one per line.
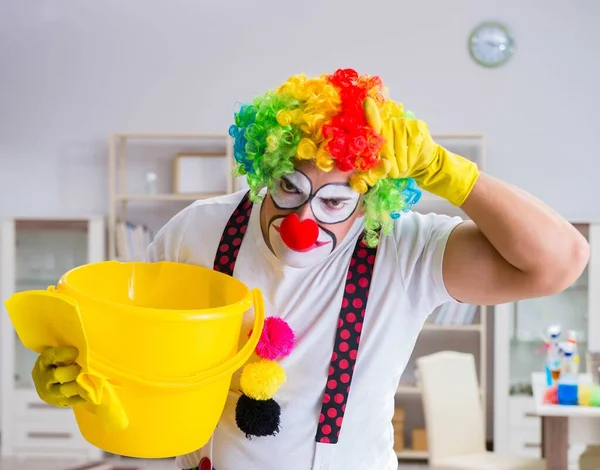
{"x":159,"y":343}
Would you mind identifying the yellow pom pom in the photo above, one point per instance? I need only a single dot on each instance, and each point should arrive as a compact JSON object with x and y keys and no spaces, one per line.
{"x":261,"y":380}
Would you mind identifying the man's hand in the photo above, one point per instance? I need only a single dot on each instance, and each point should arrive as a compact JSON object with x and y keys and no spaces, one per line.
{"x":412,"y":153}
{"x":55,"y":374}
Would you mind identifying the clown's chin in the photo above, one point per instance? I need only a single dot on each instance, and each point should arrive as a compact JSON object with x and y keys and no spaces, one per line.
{"x":301,"y":259}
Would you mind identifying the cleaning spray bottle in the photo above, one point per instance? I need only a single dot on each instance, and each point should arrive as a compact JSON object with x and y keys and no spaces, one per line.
{"x":568,"y":383}
{"x":553,"y":355}
{"x":572,"y":338}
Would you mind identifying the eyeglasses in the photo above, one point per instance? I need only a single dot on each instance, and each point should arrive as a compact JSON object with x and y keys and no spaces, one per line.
{"x":332,"y":203}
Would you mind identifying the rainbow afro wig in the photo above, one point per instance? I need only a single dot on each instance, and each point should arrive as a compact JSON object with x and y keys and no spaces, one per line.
{"x":322,"y":120}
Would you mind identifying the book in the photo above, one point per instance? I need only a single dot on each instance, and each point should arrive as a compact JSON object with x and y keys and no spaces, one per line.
{"x":132,"y":241}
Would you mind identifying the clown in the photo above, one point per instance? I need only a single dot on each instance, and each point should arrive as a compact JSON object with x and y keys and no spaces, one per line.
{"x":326,"y":231}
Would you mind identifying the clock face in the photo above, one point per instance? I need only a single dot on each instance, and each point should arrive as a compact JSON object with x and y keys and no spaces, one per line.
{"x":491,"y":44}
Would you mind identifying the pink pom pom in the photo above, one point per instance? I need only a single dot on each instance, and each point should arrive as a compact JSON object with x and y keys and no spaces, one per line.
{"x":276,"y":340}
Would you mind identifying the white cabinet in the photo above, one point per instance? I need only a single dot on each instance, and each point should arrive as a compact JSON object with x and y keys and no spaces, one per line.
{"x":34,"y":253}
{"x":518,"y":351}
{"x":461,"y":328}
{"x":525,"y":435}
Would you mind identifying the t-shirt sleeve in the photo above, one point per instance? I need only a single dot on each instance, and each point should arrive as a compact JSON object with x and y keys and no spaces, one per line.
{"x":193,"y":235}
{"x":166,"y":244}
{"x":421,"y":243}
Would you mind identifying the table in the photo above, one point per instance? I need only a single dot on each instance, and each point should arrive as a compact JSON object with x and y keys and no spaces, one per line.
{"x":563,"y":424}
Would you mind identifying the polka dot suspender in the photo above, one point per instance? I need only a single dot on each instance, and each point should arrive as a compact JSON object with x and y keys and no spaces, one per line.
{"x":347,"y":339}
{"x":231,"y":239}
{"x":352,"y":313}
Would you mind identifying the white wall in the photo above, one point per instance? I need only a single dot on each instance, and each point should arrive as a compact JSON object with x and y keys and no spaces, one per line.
{"x":73,"y":71}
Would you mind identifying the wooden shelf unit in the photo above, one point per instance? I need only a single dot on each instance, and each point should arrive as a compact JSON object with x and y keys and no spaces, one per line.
{"x":432,"y":326}
{"x":412,"y":455}
{"x":119,"y":196}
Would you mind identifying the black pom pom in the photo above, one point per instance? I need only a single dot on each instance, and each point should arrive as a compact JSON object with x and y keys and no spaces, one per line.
{"x":257,"y":417}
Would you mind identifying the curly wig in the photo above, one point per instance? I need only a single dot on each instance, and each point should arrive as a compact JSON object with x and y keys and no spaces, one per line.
{"x":322,"y":119}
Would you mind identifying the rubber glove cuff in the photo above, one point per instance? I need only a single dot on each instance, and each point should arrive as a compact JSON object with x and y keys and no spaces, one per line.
{"x":448,"y":175}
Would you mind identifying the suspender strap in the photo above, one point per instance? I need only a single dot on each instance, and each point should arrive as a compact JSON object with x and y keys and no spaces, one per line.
{"x":347,"y":340}
{"x":352,"y":313}
{"x":231,"y":239}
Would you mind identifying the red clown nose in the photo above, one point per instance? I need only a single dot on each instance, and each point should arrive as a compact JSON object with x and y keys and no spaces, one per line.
{"x":298,"y":235}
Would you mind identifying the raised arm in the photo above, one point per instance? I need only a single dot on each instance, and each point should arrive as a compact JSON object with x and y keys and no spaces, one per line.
{"x":514,"y":248}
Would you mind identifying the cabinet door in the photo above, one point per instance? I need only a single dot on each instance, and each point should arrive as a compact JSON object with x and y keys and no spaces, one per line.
{"x":44,"y":251}
{"x":594,"y":291}
{"x":34,"y":254}
{"x":519,"y":329}
{"x":530,"y":319}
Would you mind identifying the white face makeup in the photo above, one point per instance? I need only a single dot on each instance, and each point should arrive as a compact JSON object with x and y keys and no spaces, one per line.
{"x":330,"y":204}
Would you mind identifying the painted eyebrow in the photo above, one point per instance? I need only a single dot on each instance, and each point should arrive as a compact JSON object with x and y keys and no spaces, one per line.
{"x":344,"y":197}
{"x":337,"y":198}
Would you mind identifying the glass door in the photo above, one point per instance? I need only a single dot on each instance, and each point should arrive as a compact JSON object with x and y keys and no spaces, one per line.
{"x":44,"y":251}
{"x":530,"y":320}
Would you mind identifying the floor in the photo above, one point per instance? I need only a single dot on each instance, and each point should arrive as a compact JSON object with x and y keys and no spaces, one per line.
{"x":14,"y":464}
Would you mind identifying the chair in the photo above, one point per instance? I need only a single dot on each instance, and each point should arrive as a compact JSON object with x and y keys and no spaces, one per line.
{"x":454,"y":417}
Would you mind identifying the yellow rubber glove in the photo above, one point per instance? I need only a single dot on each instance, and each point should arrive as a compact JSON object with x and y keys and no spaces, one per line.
{"x":55,"y":377}
{"x":50,"y":324}
{"x":412,"y":153}
{"x":59,"y":382}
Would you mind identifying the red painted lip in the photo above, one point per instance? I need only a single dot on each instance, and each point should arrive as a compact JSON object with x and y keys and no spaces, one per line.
{"x":317,"y":244}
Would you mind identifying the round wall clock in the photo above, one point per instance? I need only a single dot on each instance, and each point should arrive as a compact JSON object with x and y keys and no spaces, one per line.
{"x":491,"y":44}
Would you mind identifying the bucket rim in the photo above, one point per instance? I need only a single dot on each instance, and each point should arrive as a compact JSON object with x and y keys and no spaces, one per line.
{"x":244,"y":302}
{"x":194,"y":381}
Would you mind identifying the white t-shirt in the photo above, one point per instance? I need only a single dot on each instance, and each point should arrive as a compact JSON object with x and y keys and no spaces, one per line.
{"x":406,"y":287}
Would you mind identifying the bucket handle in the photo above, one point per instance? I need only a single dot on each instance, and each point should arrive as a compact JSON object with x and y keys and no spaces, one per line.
{"x":206,"y":376}
{"x":244,"y":354}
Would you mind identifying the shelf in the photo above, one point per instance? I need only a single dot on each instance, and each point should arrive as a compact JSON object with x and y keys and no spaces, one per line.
{"x":167,"y":135}
{"x":408,"y":390}
{"x":412,"y":455}
{"x":67,"y":223}
{"x":433,"y":326}
{"x":166,"y":197}
{"x":458,"y":135}
{"x":416,"y":390}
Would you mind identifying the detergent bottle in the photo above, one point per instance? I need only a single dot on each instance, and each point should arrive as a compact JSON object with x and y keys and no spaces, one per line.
{"x":568,"y":382}
{"x":553,"y":355}
{"x":572,"y":338}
